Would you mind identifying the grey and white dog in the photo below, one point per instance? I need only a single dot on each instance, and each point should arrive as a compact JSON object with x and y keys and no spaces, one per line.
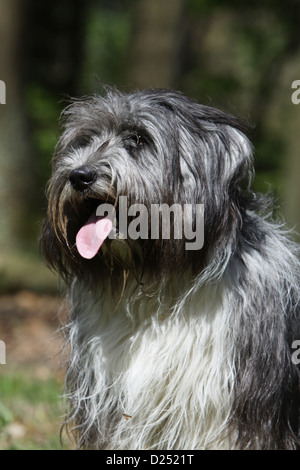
{"x":172,"y":348}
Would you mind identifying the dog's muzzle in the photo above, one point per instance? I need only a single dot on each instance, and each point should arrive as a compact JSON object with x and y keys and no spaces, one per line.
{"x":96,"y":229}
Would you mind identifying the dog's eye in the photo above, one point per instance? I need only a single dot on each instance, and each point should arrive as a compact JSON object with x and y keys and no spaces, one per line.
{"x":137,"y":140}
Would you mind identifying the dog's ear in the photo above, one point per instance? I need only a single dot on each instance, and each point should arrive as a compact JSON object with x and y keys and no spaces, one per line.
{"x":241,"y":165}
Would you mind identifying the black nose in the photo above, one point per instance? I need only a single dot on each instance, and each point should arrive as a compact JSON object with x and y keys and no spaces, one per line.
{"x":82,"y":178}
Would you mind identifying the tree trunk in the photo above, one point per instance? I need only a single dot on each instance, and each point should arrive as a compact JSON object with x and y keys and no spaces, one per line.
{"x":15,"y":154}
{"x":155,"y":44}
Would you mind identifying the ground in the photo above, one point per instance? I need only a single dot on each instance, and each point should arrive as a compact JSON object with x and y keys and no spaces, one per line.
{"x":31,"y":381}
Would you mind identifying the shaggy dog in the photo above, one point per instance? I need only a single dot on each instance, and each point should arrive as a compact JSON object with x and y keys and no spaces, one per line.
{"x":171,"y":347}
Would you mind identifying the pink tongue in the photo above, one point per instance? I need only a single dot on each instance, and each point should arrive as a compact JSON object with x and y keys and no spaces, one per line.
{"x":91,"y":236}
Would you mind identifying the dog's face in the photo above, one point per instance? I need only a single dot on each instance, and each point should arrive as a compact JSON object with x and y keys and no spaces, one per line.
{"x":154,"y":147}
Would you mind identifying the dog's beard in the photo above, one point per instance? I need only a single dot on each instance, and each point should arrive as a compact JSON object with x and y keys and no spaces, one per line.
{"x":114,"y":259}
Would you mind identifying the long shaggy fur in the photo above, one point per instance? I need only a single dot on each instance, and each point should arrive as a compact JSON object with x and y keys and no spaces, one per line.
{"x":169,"y":348}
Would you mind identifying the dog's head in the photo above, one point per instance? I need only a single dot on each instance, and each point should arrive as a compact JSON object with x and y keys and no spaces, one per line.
{"x":152,"y":147}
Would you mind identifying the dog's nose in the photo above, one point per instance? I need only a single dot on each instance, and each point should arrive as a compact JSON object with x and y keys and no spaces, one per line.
{"x":81,"y":178}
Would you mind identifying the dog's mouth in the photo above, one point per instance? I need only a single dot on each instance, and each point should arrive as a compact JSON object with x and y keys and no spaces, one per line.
{"x":92,"y":235}
{"x":94,"y":225}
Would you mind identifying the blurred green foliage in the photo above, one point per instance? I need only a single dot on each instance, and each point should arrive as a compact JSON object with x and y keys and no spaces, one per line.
{"x":107,"y":40}
{"x":44,"y":110}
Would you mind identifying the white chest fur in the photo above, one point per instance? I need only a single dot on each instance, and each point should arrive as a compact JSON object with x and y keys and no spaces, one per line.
{"x":153,"y":377}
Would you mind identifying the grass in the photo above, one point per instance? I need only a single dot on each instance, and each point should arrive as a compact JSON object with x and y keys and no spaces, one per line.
{"x":31,"y":410}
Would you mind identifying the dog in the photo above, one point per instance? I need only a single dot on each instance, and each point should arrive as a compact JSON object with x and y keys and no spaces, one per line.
{"x":171,"y":348}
